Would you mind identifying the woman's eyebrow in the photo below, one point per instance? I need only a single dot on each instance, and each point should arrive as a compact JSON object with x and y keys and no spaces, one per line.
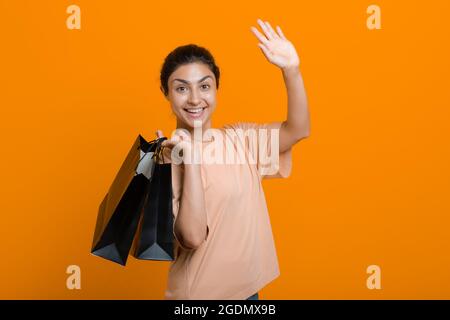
{"x":187,"y":82}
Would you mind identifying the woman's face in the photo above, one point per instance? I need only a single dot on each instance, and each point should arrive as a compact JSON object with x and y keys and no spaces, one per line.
{"x":192,"y":94}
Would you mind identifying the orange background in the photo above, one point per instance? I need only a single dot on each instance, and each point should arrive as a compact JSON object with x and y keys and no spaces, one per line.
{"x":369,"y":186}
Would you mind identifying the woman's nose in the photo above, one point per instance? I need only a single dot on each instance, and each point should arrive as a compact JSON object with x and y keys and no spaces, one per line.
{"x":194,"y":97}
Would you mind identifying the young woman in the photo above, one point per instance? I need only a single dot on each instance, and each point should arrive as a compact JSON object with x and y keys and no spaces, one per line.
{"x":224,"y":247}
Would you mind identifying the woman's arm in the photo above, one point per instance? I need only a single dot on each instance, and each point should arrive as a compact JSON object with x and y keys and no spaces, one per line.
{"x":281,"y":52}
{"x":190,"y":226}
{"x":297,"y":125}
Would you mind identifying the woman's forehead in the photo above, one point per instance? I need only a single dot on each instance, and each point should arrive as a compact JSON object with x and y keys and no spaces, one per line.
{"x":192,"y":72}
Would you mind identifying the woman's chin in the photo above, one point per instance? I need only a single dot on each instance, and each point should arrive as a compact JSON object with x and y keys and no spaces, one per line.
{"x":196,"y":122}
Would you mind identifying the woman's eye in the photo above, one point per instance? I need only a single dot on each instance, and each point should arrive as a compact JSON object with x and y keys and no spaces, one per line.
{"x":204,"y":86}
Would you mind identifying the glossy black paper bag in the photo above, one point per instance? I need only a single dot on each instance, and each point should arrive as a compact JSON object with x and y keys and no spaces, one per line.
{"x":120,"y":210}
{"x":154,"y":238}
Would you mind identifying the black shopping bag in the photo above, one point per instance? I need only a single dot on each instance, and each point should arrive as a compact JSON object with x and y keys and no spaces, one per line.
{"x":120,"y":210}
{"x":154,"y":239}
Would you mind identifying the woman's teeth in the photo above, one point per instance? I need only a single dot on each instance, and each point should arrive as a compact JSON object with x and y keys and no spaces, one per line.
{"x":194,"y":111}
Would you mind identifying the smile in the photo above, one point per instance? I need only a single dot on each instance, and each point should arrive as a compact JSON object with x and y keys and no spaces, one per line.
{"x":195,"y":112}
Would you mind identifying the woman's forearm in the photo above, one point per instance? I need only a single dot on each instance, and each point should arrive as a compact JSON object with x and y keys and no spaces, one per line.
{"x":191,"y":226}
{"x":298,"y":119}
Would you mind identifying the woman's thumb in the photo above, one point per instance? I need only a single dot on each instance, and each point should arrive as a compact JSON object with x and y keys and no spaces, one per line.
{"x":159,"y":134}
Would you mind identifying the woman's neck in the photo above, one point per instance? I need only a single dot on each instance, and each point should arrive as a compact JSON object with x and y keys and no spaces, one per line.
{"x":191,"y":130}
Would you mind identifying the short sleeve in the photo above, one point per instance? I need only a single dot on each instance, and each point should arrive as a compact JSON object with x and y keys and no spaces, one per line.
{"x":263,"y":138}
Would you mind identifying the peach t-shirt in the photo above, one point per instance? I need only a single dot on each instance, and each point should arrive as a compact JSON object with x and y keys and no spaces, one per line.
{"x":238,"y":256}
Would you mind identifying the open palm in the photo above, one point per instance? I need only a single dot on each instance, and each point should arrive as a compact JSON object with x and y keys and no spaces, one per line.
{"x":276,"y":48}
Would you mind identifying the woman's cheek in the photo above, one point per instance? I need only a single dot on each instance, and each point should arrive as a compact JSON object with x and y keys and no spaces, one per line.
{"x":179,"y":103}
{"x":210,"y":98}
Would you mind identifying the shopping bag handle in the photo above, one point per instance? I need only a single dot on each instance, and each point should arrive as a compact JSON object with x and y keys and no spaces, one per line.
{"x":158,"y":151}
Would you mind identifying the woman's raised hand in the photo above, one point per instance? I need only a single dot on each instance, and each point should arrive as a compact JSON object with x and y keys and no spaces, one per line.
{"x":277,"y":49}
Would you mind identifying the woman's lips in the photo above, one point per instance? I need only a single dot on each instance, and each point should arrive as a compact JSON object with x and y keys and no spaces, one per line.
{"x":195,"y":113}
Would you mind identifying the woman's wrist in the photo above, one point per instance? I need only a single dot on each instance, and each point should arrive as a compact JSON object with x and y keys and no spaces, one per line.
{"x":290,"y":71}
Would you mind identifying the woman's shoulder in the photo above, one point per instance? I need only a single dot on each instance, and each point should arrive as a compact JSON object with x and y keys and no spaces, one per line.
{"x":237,"y":125}
{"x":246,"y":125}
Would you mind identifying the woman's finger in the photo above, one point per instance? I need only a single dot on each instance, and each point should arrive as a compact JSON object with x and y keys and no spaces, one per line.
{"x":182,"y":134}
{"x":266,"y":51}
{"x":281,"y":33}
{"x":167,"y":143}
{"x":265,"y":29}
{"x":272,"y":32}
{"x":159,"y":134}
{"x":258,"y":34}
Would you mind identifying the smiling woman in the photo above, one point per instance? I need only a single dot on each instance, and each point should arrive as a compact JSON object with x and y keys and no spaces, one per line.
{"x":224,"y":247}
